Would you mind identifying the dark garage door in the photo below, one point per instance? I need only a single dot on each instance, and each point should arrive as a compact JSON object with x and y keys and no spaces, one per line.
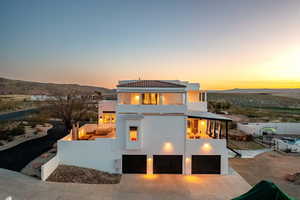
{"x":134,"y":164}
{"x":206,"y":164}
{"x":167,"y":164}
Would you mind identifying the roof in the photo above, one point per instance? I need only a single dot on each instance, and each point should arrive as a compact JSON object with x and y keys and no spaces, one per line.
{"x":207,"y":115}
{"x":151,"y":84}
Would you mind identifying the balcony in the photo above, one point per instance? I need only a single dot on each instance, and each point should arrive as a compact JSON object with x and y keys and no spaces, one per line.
{"x":128,"y":108}
{"x":198,"y":106}
{"x":92,"y":132}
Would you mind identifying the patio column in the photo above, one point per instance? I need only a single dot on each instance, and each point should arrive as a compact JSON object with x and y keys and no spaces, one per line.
{"x":188,"y":165}
{"x":149,"y":164}
{"x":226,"y":131}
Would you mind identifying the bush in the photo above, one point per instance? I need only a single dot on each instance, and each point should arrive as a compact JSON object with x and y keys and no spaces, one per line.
{"x":19,"y":130}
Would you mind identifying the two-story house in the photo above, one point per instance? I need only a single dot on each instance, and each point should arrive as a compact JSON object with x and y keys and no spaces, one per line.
{"x":153,"y":127}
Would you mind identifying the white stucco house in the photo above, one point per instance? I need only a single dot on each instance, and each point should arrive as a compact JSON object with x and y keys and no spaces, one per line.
{"x":153,"y":127}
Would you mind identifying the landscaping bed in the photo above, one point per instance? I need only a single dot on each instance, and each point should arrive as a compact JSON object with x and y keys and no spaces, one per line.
{"x":73,"y":174}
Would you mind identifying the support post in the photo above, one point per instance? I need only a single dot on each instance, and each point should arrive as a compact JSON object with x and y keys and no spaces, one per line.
{"x":226,"y":130}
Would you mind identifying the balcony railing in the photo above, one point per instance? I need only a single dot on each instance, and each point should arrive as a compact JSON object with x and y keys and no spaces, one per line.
{"x":127,"y":108}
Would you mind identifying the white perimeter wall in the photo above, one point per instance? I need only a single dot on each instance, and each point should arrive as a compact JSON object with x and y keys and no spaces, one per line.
{"x":282,"y":128}
{"x":101,"y":154}
{"x":49,"y":167}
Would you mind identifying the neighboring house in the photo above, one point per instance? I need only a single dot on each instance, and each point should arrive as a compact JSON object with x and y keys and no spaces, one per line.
{"x":41,"y":97}
{"x":153,"y":127}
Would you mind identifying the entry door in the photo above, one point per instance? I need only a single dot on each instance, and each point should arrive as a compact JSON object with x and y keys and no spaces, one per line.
{"x":206,"y":164}
{"x":134,"y":164}
{"x":167,"y":164}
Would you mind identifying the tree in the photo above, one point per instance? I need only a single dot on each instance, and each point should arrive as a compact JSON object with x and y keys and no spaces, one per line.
{"x":70,"y":108}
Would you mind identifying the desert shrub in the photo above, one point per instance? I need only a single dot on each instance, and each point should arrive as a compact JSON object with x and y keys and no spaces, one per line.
{"x":19,"y":130}
{"x":218,"y":106}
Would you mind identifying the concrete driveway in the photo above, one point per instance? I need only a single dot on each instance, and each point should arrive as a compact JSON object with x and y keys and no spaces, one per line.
{"x":208,"y":187}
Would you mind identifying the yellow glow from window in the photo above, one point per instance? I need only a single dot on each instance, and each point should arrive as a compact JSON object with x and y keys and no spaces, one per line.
{"x":206,"y":147}
{"x":108,"y":118}
{"x":202,"y":123}
{"x":133,"y":134}
{"x":137,"y":97}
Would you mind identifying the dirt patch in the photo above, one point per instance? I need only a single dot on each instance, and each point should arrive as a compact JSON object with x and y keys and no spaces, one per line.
{"x":244,"y":145}
{"x":270,"y":166}
{"x":72,"y":174}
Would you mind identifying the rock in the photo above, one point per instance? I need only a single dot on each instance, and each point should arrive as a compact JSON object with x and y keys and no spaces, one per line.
{"x":294,"y":178}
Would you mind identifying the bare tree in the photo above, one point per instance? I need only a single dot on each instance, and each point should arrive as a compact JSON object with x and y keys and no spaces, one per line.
{"x":70,"y":108}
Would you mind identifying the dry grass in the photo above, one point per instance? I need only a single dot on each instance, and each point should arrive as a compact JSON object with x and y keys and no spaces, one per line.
{"x":73,"y":174}
{"x":244,"y":145}
{"x":271,"y":166}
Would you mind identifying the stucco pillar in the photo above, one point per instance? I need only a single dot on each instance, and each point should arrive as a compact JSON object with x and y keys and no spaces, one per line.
{"x":188,"y":165}
{"x":149,"y":164}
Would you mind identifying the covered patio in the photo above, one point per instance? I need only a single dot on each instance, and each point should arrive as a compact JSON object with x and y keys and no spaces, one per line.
{"x":207,"y":125}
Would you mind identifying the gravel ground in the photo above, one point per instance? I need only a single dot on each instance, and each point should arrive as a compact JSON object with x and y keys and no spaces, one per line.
{"x":73,"y":174}
{"x":271,"y":166}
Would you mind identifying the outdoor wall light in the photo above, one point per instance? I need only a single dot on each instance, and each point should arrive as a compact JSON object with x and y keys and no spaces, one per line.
{"x":206,"y":147}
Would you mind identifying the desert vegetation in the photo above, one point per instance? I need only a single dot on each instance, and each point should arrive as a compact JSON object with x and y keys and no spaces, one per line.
{"x":256,"y":107}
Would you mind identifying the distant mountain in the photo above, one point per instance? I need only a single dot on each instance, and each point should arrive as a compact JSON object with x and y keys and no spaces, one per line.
{"x":9,"y":86}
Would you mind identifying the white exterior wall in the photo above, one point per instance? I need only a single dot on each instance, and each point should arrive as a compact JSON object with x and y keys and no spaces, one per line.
{"x":282,"y":128}
{"x":206,"y":147}
{"x":156,"y":132}
{"x":197,"y":106}
{"x":49,"y":167}
{"x":100,"y":154}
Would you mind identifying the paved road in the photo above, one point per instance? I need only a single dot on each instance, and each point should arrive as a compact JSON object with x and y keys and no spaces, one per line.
{"x":19,"y":156}
{"x":164,"y":187}
{"x":17,"y":114}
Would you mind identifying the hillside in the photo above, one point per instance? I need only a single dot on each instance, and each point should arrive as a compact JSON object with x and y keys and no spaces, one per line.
{"x":9,"y":86}
{"x":256,"y":100}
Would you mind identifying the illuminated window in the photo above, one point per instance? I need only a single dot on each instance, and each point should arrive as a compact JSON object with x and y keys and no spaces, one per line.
{"x":108,"y":118}
{"x":133,"y":133}
{"x":150,"y":98}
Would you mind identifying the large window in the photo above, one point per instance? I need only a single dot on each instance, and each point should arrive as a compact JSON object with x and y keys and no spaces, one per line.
{"x":150,"y":98}
{"x":133,"y":133}
{"x":108,"y":118}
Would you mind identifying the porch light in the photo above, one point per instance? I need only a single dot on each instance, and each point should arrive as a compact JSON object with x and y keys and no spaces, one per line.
{"x":149,"y":159}
{"x":202,"y":123}
{"x":137,"y":97}
{"x":187,"y":159}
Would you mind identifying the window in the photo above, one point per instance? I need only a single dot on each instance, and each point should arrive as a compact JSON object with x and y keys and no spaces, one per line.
{"x":133,"y":133}
{"x":108,"y":118}
{"x":150,"y":98}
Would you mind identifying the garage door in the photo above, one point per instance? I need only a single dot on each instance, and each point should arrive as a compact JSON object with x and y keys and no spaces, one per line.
{"x":134,"y":164}
{"x":167,"y":164}
{"x":206,"y":164}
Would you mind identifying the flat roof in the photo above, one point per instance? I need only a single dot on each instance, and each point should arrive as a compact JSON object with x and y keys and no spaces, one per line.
{"x":207,"y":115}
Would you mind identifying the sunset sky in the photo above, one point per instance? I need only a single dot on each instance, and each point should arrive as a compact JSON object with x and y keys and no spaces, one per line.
{"x":221,"y":44}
